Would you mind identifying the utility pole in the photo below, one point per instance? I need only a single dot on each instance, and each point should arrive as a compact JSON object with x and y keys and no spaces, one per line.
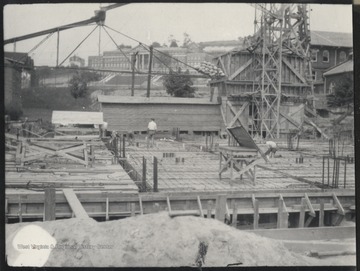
{"x":57,"y":48}
{"x":149,"y":75}
{"x":133,"y":61}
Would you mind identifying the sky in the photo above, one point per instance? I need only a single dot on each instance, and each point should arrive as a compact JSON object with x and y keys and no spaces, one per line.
{"x":145,"y":22}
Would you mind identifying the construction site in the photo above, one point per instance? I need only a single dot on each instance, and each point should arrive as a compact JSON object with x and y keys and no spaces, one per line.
{"x":208,"y":192}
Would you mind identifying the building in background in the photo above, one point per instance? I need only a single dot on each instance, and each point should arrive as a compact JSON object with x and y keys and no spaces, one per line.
{"x":76,"y":61}
{"x":328,"y":49}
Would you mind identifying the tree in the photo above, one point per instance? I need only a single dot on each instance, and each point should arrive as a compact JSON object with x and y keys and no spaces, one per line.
{"x":172,"y":41}
{"x":342,"y":96}
{"x":179,"y":84}
{"x":78,"y":83}
{"x":156,"y":44}
{"x":187,"y":40}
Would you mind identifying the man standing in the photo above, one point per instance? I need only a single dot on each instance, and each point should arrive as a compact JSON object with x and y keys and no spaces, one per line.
{"x":152,"y":127}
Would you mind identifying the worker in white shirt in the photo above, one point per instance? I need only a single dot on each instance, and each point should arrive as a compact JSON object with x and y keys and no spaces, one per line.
{"x":272,"y":148}
{"x":152,"y":127}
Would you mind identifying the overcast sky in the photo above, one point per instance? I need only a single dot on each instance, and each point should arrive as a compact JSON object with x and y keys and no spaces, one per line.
{"x":146,"y":23}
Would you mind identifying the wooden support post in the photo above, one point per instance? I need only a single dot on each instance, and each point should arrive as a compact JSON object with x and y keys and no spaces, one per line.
{"x":144,"y":175}
{"x":50,"y":204}
{"x":209,"y":208}
{"x":234,"y":217}
{"x":280,"y":213}
{"x":155,"y":175}
{"x":302,"y":213}
{"x":200,"y":207}
{"x":107,"y":209}
{"x":6,"y":209}
{"x":132,"y":208}
{"x":220,"y":208}
{"x":321,"y":213}
{"x":149,"y":74}
{"x":308,"y":203}
{"x":308,"y":221}
{"x":141,"y":206}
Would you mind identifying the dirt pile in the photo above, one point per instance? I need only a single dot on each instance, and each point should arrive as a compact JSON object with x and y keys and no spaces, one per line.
{"x":155,"y":240}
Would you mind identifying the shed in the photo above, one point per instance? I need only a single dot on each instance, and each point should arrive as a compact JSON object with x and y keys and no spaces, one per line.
{"x":134,"y":113}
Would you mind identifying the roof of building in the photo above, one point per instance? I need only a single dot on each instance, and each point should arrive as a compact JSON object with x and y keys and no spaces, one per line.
{"x":337,"y":39}
{"x":344,"y":67}
{"x":76,"y":117}
{"x":18,"y":58}
{"x":152,"y":100}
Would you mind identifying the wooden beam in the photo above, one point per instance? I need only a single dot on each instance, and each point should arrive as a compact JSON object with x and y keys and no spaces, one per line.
{"x":256,"y":214}
{"x":107,"y":209}
{"x":291,"y":120}
{"x":341,"y":210}
{"x":298,"y":75}
{"x":241,"y":69}
{"x":75,"y":204}
{"x":132,"y":209}
{"x":223,"y":66}
{"x":238,"y":114}
{"x":168,"y":204}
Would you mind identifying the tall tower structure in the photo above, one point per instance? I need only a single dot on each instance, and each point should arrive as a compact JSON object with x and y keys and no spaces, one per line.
{"x":280,"y":29}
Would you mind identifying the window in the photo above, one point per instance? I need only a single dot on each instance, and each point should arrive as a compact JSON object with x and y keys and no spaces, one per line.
{"x":314,"y":54}
{"x":314,"y":75}
{"x":325,"y":56}
{"x":342,"y":56}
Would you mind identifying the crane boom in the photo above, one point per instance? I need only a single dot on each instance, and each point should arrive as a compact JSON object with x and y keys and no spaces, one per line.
{"x":99,"y":17}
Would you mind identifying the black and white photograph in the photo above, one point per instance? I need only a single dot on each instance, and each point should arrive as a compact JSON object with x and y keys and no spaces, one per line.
{"x":179,"y":135}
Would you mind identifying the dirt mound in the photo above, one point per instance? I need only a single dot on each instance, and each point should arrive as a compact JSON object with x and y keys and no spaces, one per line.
{"x":155,"y":240}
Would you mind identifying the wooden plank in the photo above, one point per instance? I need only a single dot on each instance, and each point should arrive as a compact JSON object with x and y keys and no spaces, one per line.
{"x":298,"y":75}
{"x":308,"y":221}
{"x":241,"y":69}
{"x":308,"y":234}
{"x":220,"y":207}
{"x":75,"y":204}
{"x":280,"y":214}
{"x":50,"y":204}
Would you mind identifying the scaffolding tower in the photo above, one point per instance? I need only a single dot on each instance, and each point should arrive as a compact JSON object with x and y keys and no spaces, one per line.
{"x":280,"y":29}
